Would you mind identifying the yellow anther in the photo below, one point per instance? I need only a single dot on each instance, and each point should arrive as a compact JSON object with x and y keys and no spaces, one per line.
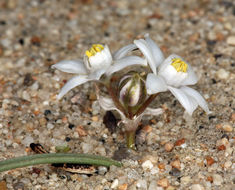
{"x":179,"y":65}
{"x":94,"y":49}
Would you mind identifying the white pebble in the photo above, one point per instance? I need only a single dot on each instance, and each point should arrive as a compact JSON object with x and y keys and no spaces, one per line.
{"x":142,"y":184}
{"x":86,"y":147}
{"x":35,"y":86}
{"x":197,"y":187}
{"x":25,"y":95}
{"x":231,"y":40}
{"x":217,"y":179}
{"x":185,"y":180}
{"x":222,"y":74}
{"x":102,"y":170}
{"x":147,"y":165}
{"x":114,"y":184}
{"x":228,"y":164}
{"x":154,"y":170}
{"x":50,"y":126}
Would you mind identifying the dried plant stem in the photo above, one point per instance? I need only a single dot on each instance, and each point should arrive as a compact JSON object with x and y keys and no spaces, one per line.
{"x":146,"y":104}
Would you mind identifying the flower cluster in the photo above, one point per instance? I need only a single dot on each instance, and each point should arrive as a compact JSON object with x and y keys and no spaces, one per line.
{"x":131,"y":91}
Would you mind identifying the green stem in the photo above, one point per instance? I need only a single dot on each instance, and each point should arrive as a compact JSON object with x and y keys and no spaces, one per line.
{"x":130,"y":139}
{"x":56,"y":158}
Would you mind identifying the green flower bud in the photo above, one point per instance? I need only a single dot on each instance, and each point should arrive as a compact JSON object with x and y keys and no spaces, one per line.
{"x":132,"y":91}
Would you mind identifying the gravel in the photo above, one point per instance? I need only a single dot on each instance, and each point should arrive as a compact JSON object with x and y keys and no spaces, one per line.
{"x":176,"y":151}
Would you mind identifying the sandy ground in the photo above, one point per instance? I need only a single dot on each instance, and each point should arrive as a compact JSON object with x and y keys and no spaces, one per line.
{"x":36,"y":34}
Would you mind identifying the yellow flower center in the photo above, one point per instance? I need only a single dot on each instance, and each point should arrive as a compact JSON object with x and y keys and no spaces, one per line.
{"x":94,"y":49}
{"x":179,"y":65}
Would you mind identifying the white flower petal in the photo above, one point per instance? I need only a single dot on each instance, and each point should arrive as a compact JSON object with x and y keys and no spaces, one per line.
{"x":145,"y":49}
{"x":197,"y":96}
{"x":71,"y":66}
{"x":168,"y":61}
{"x":153,"y":111}
{"x":172,"y":77}
{"x":123,"y":51}
{"x":156,"y":51}
{"x":96,"y":74}
{"x":186,"y":101}
{"x":100,"y":60}
{"x":108,"y":104}
{"x":155,"y":84}
{"x":191,"y":78}
{"x":125,"y":62}
{"x":72,"y":83}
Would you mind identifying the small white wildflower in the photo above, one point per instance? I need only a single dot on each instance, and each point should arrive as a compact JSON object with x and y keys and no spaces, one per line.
{"x":173,"y":74}
{"x":97,"y":61}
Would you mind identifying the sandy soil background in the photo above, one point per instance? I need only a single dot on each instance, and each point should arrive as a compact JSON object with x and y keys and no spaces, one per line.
{"x":38,"y":33}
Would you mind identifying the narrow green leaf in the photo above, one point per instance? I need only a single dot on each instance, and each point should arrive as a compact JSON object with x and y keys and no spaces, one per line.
{"x":51,"y":158}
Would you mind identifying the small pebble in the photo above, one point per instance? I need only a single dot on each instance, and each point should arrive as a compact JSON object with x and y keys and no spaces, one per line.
{"x":123,"y":187}
{"x":197,"y":187}
{"x":227,"y":127}
{"x":102,"y":170}
{"x":228,"y":164}
{"x":231,"y":40}
{"x":185,"y":180}
{"x":180,"y":142}
{"x":81,"y":131}
{"x":222,"y":74}
{"x":210,"y":160}
{"x":152,"y":185}
{"x":141,"y":184}
{"x":217,"y":179}
{"x":163,"y":182}
{"x":3,"y":185}
{"x":176,"y":164}
{"x":114,"y":184}
{"x":147,"y":165}
{"x":175,"y":172}
{"x":169,"y":146}
{"x":50,"y":126}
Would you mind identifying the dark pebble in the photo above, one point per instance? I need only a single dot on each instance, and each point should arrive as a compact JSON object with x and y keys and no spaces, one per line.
{"x":212,"y":117}
{"x":28,"y":80}
{"x":67,"y":139}
{"x":225,"y":136}
{"x":201,"y":127}
{"x":175,"y":172}
{"x":213,"y":81}
{"x":148,"y":26}
{"x":21,"y":41}
{"x":18,"y":186}
{"x":71,"y":126}
{"x":216,"y":56}
{"x":2,"y":22}
{"x":47,"y":112}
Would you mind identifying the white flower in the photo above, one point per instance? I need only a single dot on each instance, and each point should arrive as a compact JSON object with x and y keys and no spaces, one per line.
{"x":97,"y":61}
{"x":173,"y":74}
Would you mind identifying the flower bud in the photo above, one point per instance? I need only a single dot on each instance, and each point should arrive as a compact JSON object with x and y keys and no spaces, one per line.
{"x":132,"y":91}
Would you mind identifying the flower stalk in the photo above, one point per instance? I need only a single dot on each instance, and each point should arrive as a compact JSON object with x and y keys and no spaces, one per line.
{"x":130,"y":139}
